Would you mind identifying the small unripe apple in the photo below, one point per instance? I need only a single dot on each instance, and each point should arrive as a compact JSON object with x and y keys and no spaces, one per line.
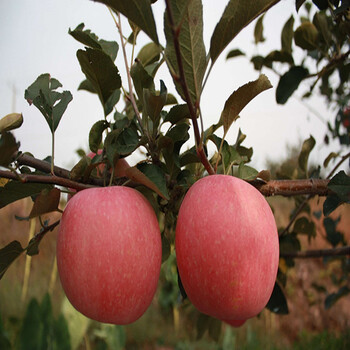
{"x":109,"y":253}
{"x":119,"y":168}
{"x":227,"y":248}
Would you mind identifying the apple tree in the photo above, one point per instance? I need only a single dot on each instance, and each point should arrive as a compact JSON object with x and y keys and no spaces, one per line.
{"x":140,"y":115}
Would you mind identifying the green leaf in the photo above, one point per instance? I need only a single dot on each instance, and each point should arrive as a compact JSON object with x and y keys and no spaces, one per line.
{"x":177,"y":114}
{"x":11,"y":121}
{"x":8,"y":255}
{"x":141,"y":79}
{"x":331,"y":203}
{"x":278,"y":56}
{"x":289,"y":244}
{"x":189,"y":16}
{"x":333,"y":236}
{"x":340,"y":184}
{"x":298,"y":4}
{"x":127,"y":142}
{"x":278,"y":303}
{"x":150,"y":176}
{"x":33,"y":245}
{"x":332,"y":298}
{"x":258,"y":30}
{"x":202,"y":324}
{"x":100,"y":70}
{"x":306,"y":36}
{"x":307,"y":147}
{"x":61,"y":333}
{"x":321,"y":4}
{"x":137,"y":11}
{"x":91,"y":40}
{"x":235,"y":53}
{"x":320,"y":21}
{"x":51,"y":103}
{"x":95,"y":135}
{"x":246,"y":172}
{"x":87,"y":85}
{"x":214,"y":328}
{"x":31,"y":333}
{"x":5,"y":343}
{"x":240,"y":98}
{"x":154,"y":103}
{"x":15,"y":190}
{"x":289,"y":82}
{"x":237,"y":15}
{"x":82,"y":169}
{"x":331,"y":156}
{"x":8,"y":148}
{"x":149,"y":54}
{"x":46,"y":322}
{"x":305,"y":226}
{"x":166,"y":246}
{"x":287,"y":35}
{"x":46,"y":202}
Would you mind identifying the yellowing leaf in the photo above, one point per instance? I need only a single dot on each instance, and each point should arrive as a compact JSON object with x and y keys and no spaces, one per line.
{"x":11,"y":121}
{"x":46,"y":202}
{"x":3,"y":181}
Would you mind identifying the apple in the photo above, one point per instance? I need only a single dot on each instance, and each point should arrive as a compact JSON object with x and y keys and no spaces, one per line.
{"x":109,"y":253}
{"x":235,"y":323}
{"x":227,"y":248}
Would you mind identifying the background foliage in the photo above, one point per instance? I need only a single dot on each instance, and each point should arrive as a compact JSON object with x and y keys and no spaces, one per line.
{"x":313,"y":56}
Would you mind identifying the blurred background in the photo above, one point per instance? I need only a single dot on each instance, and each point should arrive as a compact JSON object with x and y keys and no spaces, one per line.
{"x":35,"y":40}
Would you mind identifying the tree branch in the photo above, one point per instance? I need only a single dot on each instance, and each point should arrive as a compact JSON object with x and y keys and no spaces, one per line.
{"x":41,"y":165}
{"x":320,"y":253}
{"x":48,"y":179}
{"x":61,"y":178}
{"x":292,"y":187}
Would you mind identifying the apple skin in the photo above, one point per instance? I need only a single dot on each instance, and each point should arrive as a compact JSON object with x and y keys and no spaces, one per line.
{"x":235,"y":323}
{"x":109,"y":253}
{"x":227,"y":248}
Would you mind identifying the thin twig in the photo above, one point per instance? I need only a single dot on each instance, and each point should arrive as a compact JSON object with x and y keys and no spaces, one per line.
{"x":319,"y":253}
{"x":131,"y":94}
{"x":341,"y":161}
{"x":48,"y":179}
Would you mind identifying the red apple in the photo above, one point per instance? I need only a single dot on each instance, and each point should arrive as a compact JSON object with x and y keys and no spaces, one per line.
{"x":235,"y":323}
{"x":109,"y":253}
{"x":227,"y":248}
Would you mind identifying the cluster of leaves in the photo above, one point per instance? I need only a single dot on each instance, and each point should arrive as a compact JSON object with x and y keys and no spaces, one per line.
{"x":39,"y":329}
{"x":322,"y":39}
{"x":154,"y":122}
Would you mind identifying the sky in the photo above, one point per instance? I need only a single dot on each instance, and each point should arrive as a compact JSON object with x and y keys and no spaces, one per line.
{"x":35,"y":40}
